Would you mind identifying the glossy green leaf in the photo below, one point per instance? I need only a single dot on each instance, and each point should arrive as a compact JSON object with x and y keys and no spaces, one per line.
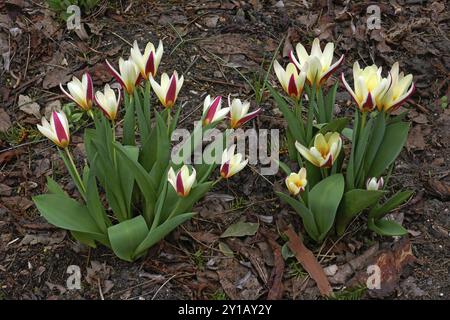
{"x":126,"y":236}
{"x":129,"y":122}
{"x":386,"y":227}
{"x":54,"y":187}
{"x":126,"y":179}
{"x":324,"y":201}
{"x":185,"y":204}
{"x":94,"y":205}
{"x":353,"y":202}
{"x":392,"y":203}
{"x":66,"y":213}
{"x":337,"y":125}
{"x":376,"y":138}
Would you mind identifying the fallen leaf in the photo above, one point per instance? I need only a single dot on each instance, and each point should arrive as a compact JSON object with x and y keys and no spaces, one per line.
{"x":438,"y":188}
{"x":27,"y":105}
{"x":308,"y":262}
{"x":7,"y":156}
{"x":275,"y":282}
{"x":52,"y":239}
{"x":241,"y":229}
{"x":415,"y":139}
{"x":56,"y":76}
{"x":5,"y":121}
{"x":225,"y":249}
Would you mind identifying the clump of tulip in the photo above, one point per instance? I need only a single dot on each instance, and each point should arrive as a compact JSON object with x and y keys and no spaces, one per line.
{"x":147,"y":194}
{"x":340,"y":186}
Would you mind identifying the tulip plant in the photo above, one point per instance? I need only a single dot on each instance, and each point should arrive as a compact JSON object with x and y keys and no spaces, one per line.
{"x":132,"y":193}
{"x":332,"y":188}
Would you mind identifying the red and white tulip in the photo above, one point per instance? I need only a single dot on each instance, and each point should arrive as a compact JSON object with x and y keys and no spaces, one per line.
{"x":374,"y":183}
{"x":231,"y":163}
{"x":81,"y":92}
{"x":239,"y":114}
{"x":291,"y":79}
{"x":128,"y":75}
{"x":181,"y":181}
{"x":319,"y":63}
{"x":108,"y":102}
{"x":401,"y":87}
{"x":147,"y":62}
{"x":296,"y":182}
{"x":168,"y":91}
{"x":325,"y":150}
{"x":212,"y":111}
{"x":57,"y":130}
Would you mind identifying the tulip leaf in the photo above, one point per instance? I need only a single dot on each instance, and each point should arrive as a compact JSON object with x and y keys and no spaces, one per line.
{"x":161,"y":231}
{"x":241,"y":229}
{"x":126,"y":179}
{"x":284,"y":167}
{"x":66,"y":213}
{"x":350,"y":172}
{"x":329,"y":102}
{"x":129,"y":122}
{"x":54,"y":187}
{"x":386,"y":227}
{"x":375,"y":140}
{"x":84,"y":238}
{"x":353,"y":202}
{"x":304,"y":213}
{"x":144,"y":126}
{"x":293,"y":122}
{"x":73,"y":173}
{"x":337,"y":125}
{"x":94,"y":205}
{"x":126,"y":236}
{"x":392,"y":203}
{"x":361,"y":147}
{"x":393,"y":142}
{"x":324,"y":201}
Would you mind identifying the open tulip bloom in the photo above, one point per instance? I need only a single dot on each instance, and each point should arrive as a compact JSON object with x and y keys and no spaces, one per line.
{"x":168,"y":91}
{"x":296,"y":182}
{"x":239,"y":114}
{"x":147,"y":62}
{"x":80,"y":92}
{"x":401,"y":88}
{"x":291,"y":79}
{"x":130,"y":193}
{"x":320,"y":66}
{"x":128,"y":76}
{"x":212,"y":111}
{"x":231,"y":163}
{"x":324,"y":151}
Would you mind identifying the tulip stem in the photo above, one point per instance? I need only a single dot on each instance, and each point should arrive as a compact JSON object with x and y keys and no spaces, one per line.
{"x":113,"y":129}
{"x":363,"y":120}
{"x":324,"y":172}
{"x":168,"y":122}
{"x":74,"y":171}
{"x":217,"y":181}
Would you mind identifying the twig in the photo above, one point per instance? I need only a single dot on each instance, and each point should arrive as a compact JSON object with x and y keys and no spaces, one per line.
{"x":162,"y":286}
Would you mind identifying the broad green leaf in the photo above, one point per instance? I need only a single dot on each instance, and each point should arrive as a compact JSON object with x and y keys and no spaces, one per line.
{"x":306,"y":214}
{"x":393,"y":142}
{"x":378,"y":131}
{"x":324,"y":201}
{"x":94,"y":205}
{"x":337,"y":125}
{"x":159,"y":205}
{"x":129,"y":122}
{"x":126,"y":179}
{"x":73,"y":173}
{"x":386,"y":227}
{"x":54,"y":187}
{"x":226,"y":250}
{"x":144,"y":126}
{"x":66,"y":213}
{"x":392,"y":203}
{"x":241,"y":229}
{"x":161,"y":231}
{"x":330,"y":100}
{"x":361,"y":148}
{"x":185,"y":204}
{"x":284,"y":167}
{"x":351,"y":172}
{"x":84,"y":238}
{"x":353,"y":202}
{"x":126,"y":236}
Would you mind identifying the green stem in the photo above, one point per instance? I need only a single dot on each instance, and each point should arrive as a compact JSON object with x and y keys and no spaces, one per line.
{"x":168,"y":121}
{"x":324,"y":172}
{"x":363,"y":122}
{"x":113,"y":129}
{"x":217,"y":181}
{"x":75,"y":171}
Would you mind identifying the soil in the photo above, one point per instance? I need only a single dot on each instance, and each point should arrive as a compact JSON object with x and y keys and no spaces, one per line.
{"x":207,"y":42}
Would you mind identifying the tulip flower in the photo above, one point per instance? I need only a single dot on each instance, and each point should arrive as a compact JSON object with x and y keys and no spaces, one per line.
{"x":296,"y":182}
{"x":148,"y":62}
{"x":128,"y":75}
{"x":168,"y":91}
{"x":325,"y":150}
{"x":57,"y":130}
{"x":239,"y":112}
{"x":319,"y":63}
{"x":182,"y":181}
{"x":370,"y":86}
{"x":212,"y":111}
{"x":401,"y":87}
{"x":81,"y":92}
{"x":108,"y":102}
{"x":374,"y":183}
{"x":231,"y":163}
{"x":290,"y":79}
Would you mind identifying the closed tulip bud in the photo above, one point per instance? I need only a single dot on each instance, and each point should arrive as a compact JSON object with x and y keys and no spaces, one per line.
{"x":401,"y":88}
{"x":148,"y":62}
{"x":325,"y":150}
{"x":319,"y":63}
{"x":81,"y":92}
{"x":212,"y":111}
{"x":108,"y":102}
{"x":239,"y":112}
{"x":290,"y":79}
{"x":374,"y":183}
{"x":296,"y":182}
{"x":231,"y":163}
{"x":369,"y":85}
{"x":128,"y":75}
{"x":168,"y":91}
{"x":181,"y":181}
{"x":57,"y":130}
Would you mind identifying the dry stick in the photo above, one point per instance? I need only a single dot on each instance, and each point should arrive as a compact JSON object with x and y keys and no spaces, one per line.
{"x":162,"y":286}
{"x":309,"y":262}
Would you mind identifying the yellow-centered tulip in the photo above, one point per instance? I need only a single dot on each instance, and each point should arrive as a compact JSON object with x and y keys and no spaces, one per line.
{"x":181,"y":181}
{"x":319,"y":63}
{"x":370,"y":86}
{"x":291,"y":79}
{"x":325,"y":150}
{"x":401,"y":87}
{"x":149,"y":61}
{"x":231,"y":163}
{"x":168,"y":91}
{"x":128,"y":75}
{"x":108,"y":102}
{"x":81,"y":92}
{"x":296,"y":182}
{"x":57,"y":130}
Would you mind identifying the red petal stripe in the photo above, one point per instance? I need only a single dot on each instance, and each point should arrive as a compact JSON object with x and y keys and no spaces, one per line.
{"x":292,"y":87}
{"x":60,"y":132}
{"x":150,"y":65}
{"x":248,"y":117}
{"x":116,"y":75}
{"x":90,"y":88}
{"x":172,"y":91}
{"x":213,"y":109}
{"x":225,"y":169}
{"x":180,"y":187}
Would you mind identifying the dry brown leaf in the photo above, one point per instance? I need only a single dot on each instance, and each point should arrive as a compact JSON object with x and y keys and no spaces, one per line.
{"x":309,"y":262}
{"x":5,"y":121}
